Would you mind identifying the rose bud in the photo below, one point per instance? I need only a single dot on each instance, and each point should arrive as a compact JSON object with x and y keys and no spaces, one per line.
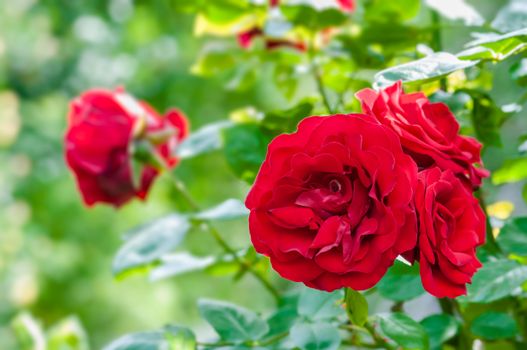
{"x":429,"y":131}
{"x":332,"y":205}
{"x":105,"y":130}
{"x":451,"y":226}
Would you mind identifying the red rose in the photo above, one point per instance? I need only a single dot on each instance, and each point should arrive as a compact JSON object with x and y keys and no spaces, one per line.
{"x":347,"y":5}
{"x":102,"y":127}
{"x":451,"y":226}
{"x":332,"y":205}
{"x":429,"y":131}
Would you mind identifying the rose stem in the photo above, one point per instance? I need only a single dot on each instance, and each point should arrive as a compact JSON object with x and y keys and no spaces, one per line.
{"x":318,"y":76}
{"x":180,"y":187}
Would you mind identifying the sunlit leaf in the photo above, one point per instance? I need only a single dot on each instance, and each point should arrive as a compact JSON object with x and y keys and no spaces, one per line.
{"x":179,"y":263}
{"x":171,"y":337}
{"x":512,"y":170}
{"x":426,"y":69}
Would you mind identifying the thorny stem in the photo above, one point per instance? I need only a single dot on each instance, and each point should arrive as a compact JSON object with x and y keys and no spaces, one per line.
{"x":180,"y":187}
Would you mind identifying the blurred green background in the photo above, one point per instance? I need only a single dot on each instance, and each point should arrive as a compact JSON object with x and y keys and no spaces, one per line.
{"x":55,"y":254}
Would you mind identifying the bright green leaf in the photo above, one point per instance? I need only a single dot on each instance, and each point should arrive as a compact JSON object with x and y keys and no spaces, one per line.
{"x":404,"y":331}
{"x":440,"y":328}
{"x":356,"y":307}
{"x":315,"y":336}
{"x":401,"y":282}
{"x":148,"y":243}
{"x":319,"y":305}
{"x":496,"y":280}
{"x":494,"y":325}
{"x":231,"y":322}
{"x":426,"y":69}
{"x":312,"y":16}
{"x":391,"y":11}
{"x":513,"y":170}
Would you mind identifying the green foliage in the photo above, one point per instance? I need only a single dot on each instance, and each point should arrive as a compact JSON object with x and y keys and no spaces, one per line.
{"x":356,"y":307}
{"x":513,"y":236}
{"x":404,"y":331}
{"x":317,"y":305}
{"x":315,"y":336}
{"x":231,"y":322}
{"x":494,"y":326}
{"x":440,"y":328}
{"x":496,"y":280}
{"x":170,"y":337}
{"x":401,"y":282}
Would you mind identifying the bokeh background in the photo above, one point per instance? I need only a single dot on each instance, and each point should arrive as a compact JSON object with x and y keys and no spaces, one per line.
{"x":55,"y":254}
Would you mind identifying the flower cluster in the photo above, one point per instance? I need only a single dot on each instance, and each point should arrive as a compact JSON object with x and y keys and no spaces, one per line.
{"x":108,"y":131}
{"x":336,"y":202}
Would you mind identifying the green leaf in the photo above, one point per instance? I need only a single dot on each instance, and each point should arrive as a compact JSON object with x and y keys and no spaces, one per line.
{"x":404,"y":331}
{"x":513,"y":236}
{"x":401,"y":282}
{"x":315,"y":336}
{"x":281,"y":321}
{"x":512,"y":170}
{"x":491,"y":46}
{"x":213,"y":63}
{"x":511,"y":17}
{"x":204,"y":140}
{"x":228,"y":210}
{"x":440,"y":328}
{"x":245,"y":149}
{"x":496,"y":280}
{"x":318,"y":305}
{"x":391,"y":11}
{"x":179,"y":263}
{"x":231,"y":322}
{"x":494,"y":325}
{"x":67,"y":334}
{"x":171,"y":337}
{"x":426,"y":69}
{"x":148,"y":243}
{"x":487,"y":118}
{"x":519,"y":72}
{"x":287,"y":121}
{"x":312,"y":16}
{"x":28,"y":332}
{"x":356,"y":307}
{"x":457,"y":10}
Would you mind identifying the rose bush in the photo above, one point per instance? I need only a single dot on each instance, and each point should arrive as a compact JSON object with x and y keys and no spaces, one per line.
{"x":332,"y":205}
{"x":99,"y":144}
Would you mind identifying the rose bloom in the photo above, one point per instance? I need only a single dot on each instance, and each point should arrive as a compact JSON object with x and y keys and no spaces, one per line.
{"x":429,"y":131}
{"x":332,"y":204}
{"x":451,"y":226}
{"x":102,"y":127}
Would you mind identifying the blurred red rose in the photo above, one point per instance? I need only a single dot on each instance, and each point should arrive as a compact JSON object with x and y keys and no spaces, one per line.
{"x":102,"y":127}
{"x":451,"y":226}
{"x":347,"y":5}
{"x":332,"y":205}
{"x":429,"y":131}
